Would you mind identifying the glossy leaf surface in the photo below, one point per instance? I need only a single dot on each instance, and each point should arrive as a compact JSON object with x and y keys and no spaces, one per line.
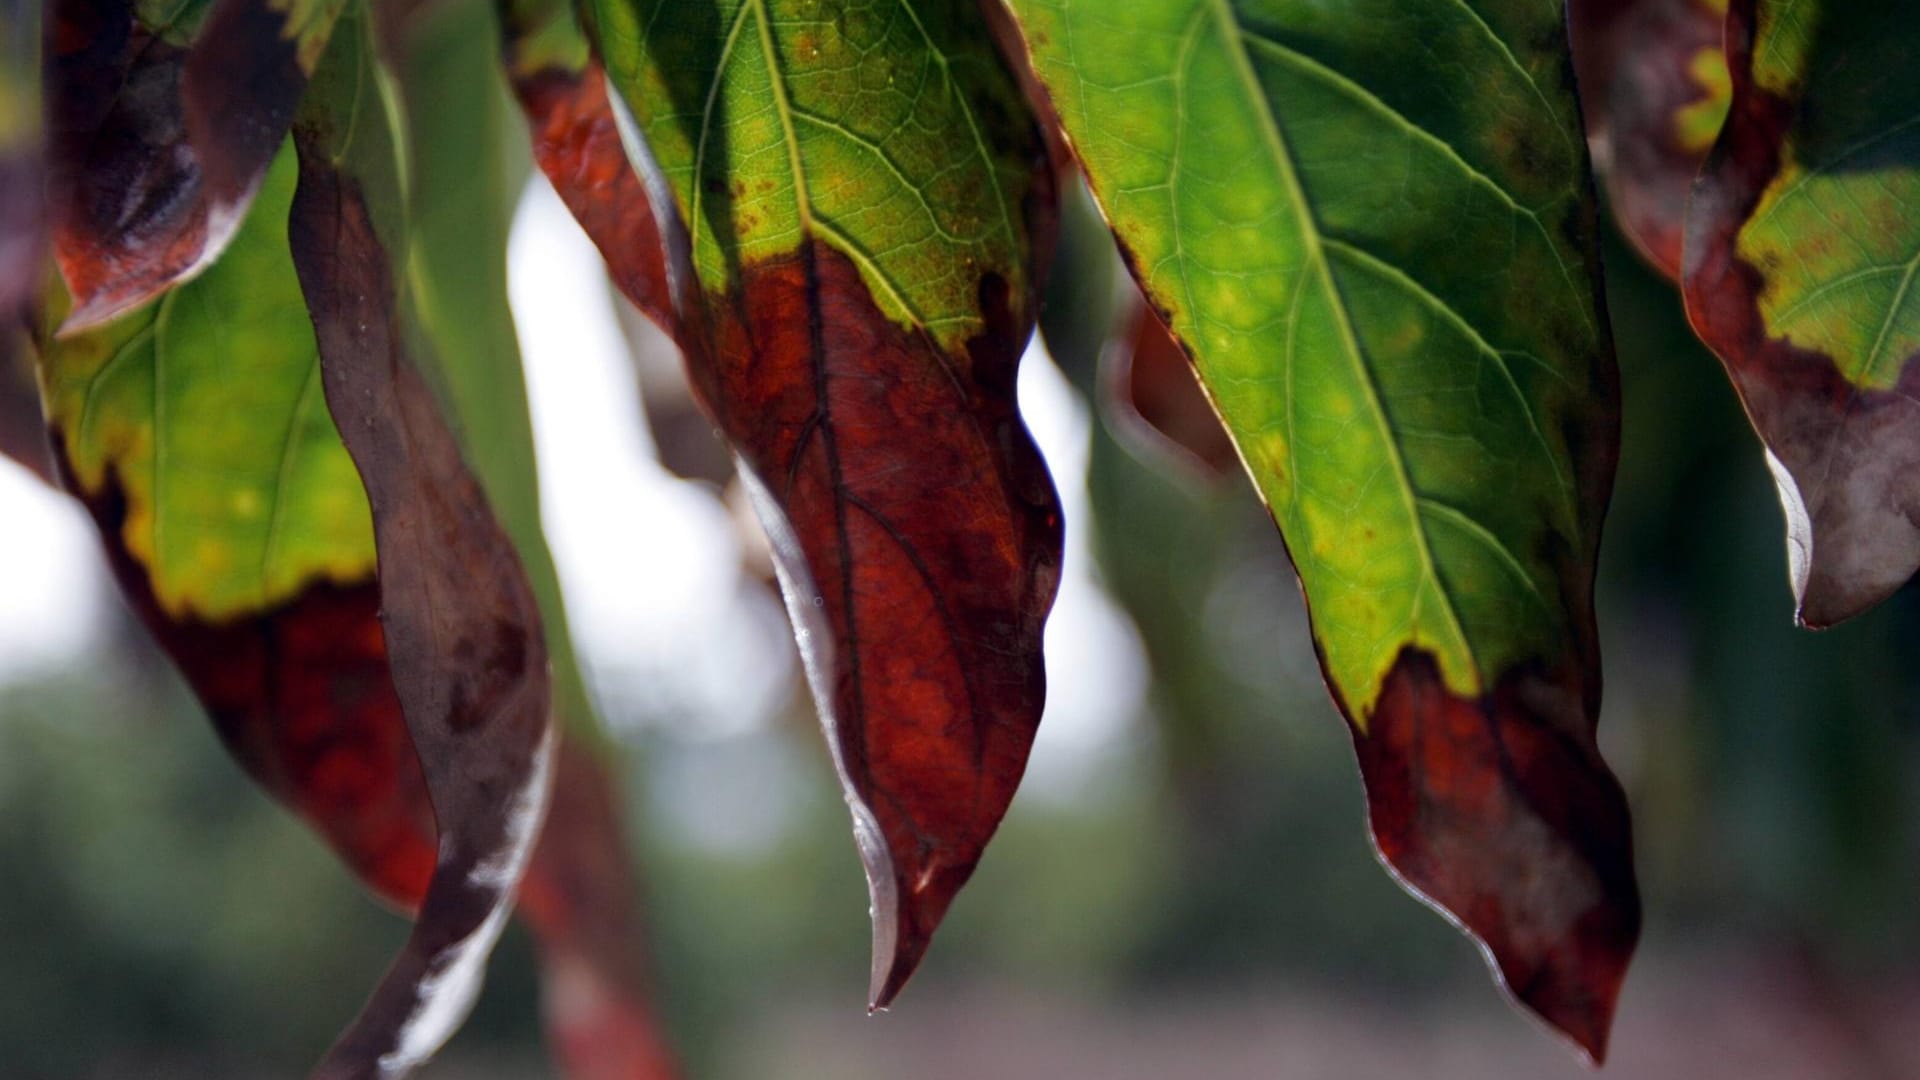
{"x":162,"y":122}
{"x":1800,"y":272}
{"x":1655,"y":84}
{"x":463,"y":630}
{"x":1370,"y":226}
{"x":865,"y":199}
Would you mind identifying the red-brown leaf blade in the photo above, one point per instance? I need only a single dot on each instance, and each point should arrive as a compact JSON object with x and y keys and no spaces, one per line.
{"x":1655,"y":88}
{"x":1500,"y":813}
{"x":867,"y":386}
{"x":157,"y":144}
{"x":927,"y":563}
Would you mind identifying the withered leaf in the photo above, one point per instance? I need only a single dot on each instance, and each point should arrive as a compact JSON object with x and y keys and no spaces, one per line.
{"x":463,"y":629}
{"x":160,"y":133}
{"x":1655,"y":86}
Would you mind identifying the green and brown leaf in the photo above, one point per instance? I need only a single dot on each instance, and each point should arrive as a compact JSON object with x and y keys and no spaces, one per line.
{"x":1800,"y":265}
{"x":1655,"y":84}
{"x":865,"y":201}
{"x":1371,"y":227}
{"x":197,"y":431}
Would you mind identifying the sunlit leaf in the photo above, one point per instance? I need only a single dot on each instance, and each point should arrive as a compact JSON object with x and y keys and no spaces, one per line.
{"x":163,"y":119}
{"x":1370,"y":225}
{"x":1655,"y":85}
{"x":1800,"y":269}
{"x":463,"y":629}
{"x":576,"y":142}
{"x":195,"y":430}
{"x":865,"y":198}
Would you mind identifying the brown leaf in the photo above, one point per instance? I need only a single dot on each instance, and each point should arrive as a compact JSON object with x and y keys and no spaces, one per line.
{"x":918,"y":568}
{"x":1655,"y":87}
{"x":463,"y":630}
{"x":1499,"y":812}
{"x":155,"y":147}
{"x":576,"y":142}
{"x":301,"y":697}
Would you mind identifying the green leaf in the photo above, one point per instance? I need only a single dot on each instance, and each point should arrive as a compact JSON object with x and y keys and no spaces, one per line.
{"x":195,"y":431}
{"x":202,"y":415}
{"x":1370,"y":225}
{"x":864,"y":197}
{"x":1800,"y":269}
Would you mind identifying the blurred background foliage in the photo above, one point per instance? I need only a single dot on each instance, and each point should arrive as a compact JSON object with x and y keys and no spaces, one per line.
{"x":1205,"y":903}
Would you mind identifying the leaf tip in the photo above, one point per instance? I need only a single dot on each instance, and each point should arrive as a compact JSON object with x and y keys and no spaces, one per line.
{"x":1500,"y":814}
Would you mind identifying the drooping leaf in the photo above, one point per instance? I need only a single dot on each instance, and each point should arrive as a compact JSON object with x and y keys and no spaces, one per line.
{"x":579,"y":892}
{"x":1370,"y":226}
{"x":1800,"y":267}
{"x":1655,"y":85}
{"x":163,"y":119}
{"x":865,"y":200}
{"x":195,"y":431}
{"x":576,"y":142}
{"x":238,"y":460}
{"x":463,"y":629}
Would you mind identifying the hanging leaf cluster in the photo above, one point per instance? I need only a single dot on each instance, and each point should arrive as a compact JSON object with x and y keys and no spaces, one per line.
{"x":252,"y":257}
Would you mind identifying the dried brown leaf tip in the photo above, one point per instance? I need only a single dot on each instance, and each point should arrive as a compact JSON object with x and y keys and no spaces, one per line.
{"x":1799,"y":267}
{"x":160,"y":132}
{"x":1500,"y":812}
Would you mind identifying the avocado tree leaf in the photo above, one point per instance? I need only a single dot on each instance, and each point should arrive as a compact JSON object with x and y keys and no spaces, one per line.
{"x":274,"y":617}
{"x":1800,"y":267}
{"x":576,"y":142}
{"x":1655,"y":85}
{"x":1370,"y":226}
{"x":463,"y":630}
{"x":579,"y":895}
{"x":163,"y":119}
{"x":865,"y":200}
{"x":195,"y":431}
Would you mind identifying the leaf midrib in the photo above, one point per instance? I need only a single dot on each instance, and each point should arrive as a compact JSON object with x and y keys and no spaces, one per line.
{"x":1232,"y":40}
